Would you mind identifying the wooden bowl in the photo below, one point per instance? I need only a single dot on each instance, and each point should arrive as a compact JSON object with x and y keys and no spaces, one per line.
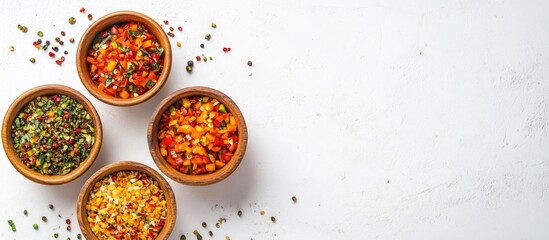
{"x":125,"y":166}
{"x":17,"y":106}
{"x":205,"y":179}
{"x":104,"y":23}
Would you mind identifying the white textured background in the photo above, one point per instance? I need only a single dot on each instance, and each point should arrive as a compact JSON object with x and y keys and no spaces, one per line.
{"x":387,"y":119}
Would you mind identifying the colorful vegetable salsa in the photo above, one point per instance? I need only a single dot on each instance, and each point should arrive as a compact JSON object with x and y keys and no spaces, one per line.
{"x":197,"y":135}
{"x":53,"y":134}
{"x":126,"y":205}
{"x":125,"y":60}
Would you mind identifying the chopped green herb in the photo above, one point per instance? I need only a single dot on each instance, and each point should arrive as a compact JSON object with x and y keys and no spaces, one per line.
{"x":12,"y":225}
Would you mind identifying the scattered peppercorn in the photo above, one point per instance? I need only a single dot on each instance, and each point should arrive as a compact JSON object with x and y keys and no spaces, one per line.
{"x":56,"y":235}
{"x":44,"y":219}
{"x":72,"y":20}
{"x":51,"y":54}
{"x":294,"y":199}
{"x":35,"y":226}
{"x":55,"y":48}
{"x":69,"y":228}
{"x":226,"y":49}
{"x":61,"y":43}
{"x":213,"y":25}
{"x":50,"y":206}
{"x":178,"y":44}
{"x":273,"y":219}
{"x":47,"y":42}
{"x":57,"y":39}
{"x":198,"y":58}
{"x":68,"y":238}
{"x":202,"y":45}
{"x":190,"y":63}
{"x":25,"y":212}
{"x":204,"y":225}
{"x":79,"y":236}
{"x":12,"y":225}
{"x":66,"y":52}
{"x":210,"y":233}
{"x":171,"y":34}
{"x":12,"y":48}
{"x":39,"y":41}
{"x":217,"y":225}
{"x":227,"y":238}
{"x":32,"y":60}
{"x":239,"y":213}
{"x":208,"y":37}
{"x":71,"y":40}
{"x":40,"y":33}
{"x":171,"y":29}
{"x":197,"y":234}
{"x":68,"y":221}
{"x":250,"y":63}
{"x":90,"y":17}
{"x":23,"y":29}
{"x":183,"y":237}
{"x":82,"y":10}
{"x":60,"y":60}
{"x":211,"y":58}
{"x":180,"y":28}
{"x":189,"y":68}
{"x":262,"y":212}
{"x":166,"y":22}
{"x":63,"y":33}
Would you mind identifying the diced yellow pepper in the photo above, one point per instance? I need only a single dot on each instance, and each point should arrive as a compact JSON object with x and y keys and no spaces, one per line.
{"x":111,"y":66}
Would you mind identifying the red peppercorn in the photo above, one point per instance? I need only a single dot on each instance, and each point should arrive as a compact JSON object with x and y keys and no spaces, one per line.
{"x":51,"y":54}
{"x":180,"y":28}
{"x":82,"y":10}
{"x":225,"y":49}
{"x":68,"y":221}
{"x":166,"y":22}
{"x":198,"y":58}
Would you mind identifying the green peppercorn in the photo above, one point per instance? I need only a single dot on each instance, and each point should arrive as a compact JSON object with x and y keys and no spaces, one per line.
{"x":12,"y":48}
{"x":72,"y":20}
{"x":35,"y":226}
{"x":197,"y":234}
{"x":25,"y":212}
{"x":213,"y":25}
{"x":56,"y":235}
{"x":12,"y":225}
{"x":227,"y":238}
{"x":40,"y":33}
{"x":32,"y":60}
{"x":189,"y":69}
{"x":44,"y":219}
{"x":208,"y":37}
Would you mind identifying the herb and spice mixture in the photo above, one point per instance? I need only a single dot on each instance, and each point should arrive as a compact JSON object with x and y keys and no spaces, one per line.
{"x":126,"y":205}
{"x":53,"y":134}
{"x":125,"y":61}
{"x":198,"y":135}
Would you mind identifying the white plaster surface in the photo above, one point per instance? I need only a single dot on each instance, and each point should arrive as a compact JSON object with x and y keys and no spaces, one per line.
{"x":387,"y":119}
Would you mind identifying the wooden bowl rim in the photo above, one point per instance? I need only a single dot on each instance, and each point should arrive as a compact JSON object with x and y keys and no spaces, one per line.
{"x":126,"y":166}
{"x":13,"y":111}
{"x":206,"y":179}
{"x":105,"y":22}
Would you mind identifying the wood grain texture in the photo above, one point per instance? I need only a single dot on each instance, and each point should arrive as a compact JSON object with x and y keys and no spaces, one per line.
{"x":21,"y":102}
{"x":206,"y":179}
{"x":106,"y":22}
{"x":125,"y":166}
